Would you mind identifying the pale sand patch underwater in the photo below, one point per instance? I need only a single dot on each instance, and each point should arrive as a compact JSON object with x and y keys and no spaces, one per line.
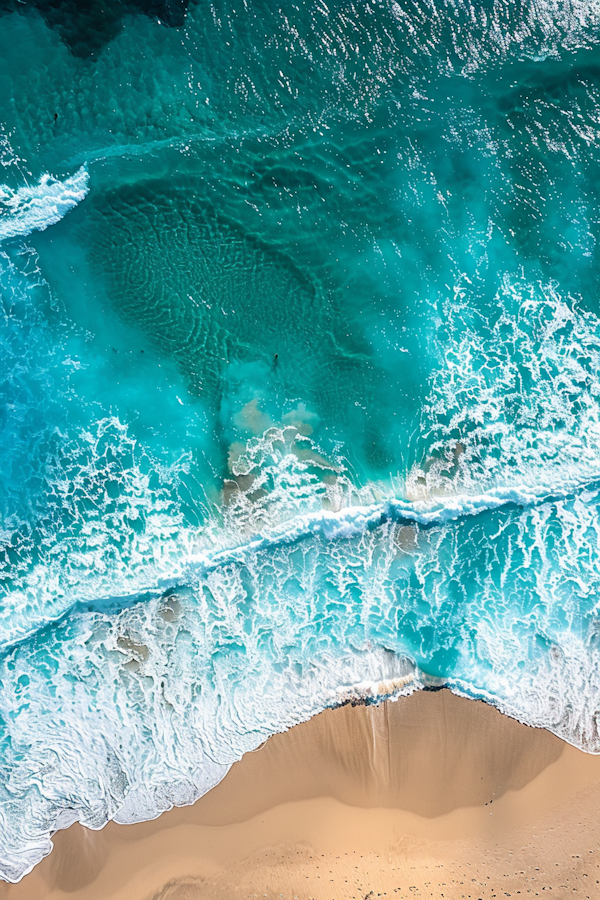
{"x":433,"y":796}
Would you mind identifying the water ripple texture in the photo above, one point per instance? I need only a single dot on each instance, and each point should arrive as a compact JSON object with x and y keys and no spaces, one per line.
{"x":300,"y":382}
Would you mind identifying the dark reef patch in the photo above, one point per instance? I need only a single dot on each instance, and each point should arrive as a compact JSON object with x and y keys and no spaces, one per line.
{"x":86,"y":26}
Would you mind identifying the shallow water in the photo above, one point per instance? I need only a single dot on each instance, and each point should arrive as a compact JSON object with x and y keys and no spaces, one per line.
{"x":300,"y":355}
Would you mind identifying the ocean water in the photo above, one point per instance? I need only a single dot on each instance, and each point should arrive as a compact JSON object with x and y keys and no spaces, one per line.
{"x":300,"y":374}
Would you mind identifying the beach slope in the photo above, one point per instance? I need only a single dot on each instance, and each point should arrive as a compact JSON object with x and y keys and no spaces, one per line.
{"x":432,"y":796}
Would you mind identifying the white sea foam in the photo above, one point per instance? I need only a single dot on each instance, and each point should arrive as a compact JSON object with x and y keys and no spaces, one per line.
{"x":36,"y":207}
{"x":168,"y":552}
{"x":125,"y":562}
{"x":306,"y":593}
{"x":162,"y":713}
{"x":123,"y":716}
{"x":309,"y":592}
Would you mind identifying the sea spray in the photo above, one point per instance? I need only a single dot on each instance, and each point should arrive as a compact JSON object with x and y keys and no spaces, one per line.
{"x":300,"y":357}
{"x":36,"y":207}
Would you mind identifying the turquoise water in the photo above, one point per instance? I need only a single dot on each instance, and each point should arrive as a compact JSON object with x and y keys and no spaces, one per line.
{"x":300,"y":356}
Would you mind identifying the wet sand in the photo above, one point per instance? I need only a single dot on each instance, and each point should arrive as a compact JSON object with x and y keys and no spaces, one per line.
{"x":430,"y":797}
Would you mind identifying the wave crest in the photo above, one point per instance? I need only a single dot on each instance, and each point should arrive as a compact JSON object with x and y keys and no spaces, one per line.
{"x":36,"y":207}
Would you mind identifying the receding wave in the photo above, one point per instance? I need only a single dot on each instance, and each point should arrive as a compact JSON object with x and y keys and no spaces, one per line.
{"x":301,"y":406}
{"x":128,"y":706}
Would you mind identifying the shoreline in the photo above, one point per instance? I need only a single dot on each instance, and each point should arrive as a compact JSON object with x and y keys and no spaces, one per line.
{"x":432,"y":795}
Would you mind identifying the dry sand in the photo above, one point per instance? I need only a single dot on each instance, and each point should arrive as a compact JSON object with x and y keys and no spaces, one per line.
{"x":429,"y":797}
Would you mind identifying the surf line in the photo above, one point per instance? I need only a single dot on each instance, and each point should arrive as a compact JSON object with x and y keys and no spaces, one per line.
{"x":341,"y":525}
{"x":356,"y":520}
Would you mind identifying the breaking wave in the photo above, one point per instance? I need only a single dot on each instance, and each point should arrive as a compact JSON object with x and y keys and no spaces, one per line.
{"x":301,"y":406}
{"x":34,"y":208}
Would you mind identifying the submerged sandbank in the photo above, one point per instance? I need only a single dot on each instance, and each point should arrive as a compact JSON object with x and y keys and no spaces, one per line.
{"x":431,"y":796}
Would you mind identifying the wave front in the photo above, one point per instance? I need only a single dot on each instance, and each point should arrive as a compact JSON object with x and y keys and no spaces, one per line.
{"x":300,"y":375}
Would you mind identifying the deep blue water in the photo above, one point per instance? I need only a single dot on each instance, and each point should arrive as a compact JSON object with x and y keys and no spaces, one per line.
{"x":300,"y":373}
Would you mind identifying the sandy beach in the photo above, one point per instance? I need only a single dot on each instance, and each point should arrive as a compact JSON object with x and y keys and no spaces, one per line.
{"x":433,"y":796}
